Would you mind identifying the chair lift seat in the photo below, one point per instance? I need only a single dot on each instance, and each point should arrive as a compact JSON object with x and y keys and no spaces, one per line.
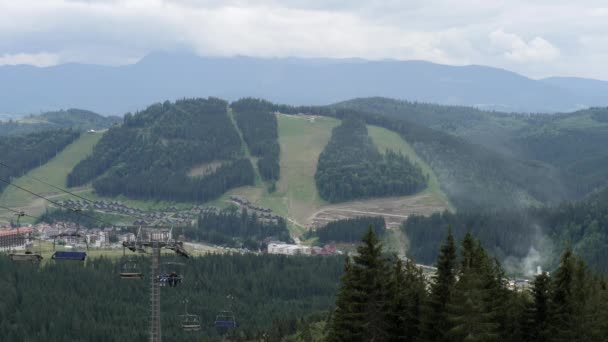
{"x":225,"y":323}
{"x":190,"y":322}
{"x":131,"y":275}
{"x":30,"y":257}
{"x":65,"y":255}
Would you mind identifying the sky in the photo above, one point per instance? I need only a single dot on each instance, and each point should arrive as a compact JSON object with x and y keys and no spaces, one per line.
{"x":537,"y":38}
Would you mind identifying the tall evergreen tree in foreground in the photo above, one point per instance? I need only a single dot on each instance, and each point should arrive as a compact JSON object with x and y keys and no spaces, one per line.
{"x":361,"y":306}
{"x":435,"y":322}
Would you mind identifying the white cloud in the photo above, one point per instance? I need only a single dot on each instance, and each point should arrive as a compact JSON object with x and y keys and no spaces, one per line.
{"x":516,"y":49}
{"x":41,"y":59}
{"x":537,"y":38}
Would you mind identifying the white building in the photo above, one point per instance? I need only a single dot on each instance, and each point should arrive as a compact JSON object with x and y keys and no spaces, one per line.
{"x":288,"y":249}
{"x":15,"y":239}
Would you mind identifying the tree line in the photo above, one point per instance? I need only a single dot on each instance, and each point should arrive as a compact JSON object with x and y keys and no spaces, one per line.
{"x":260,"y":132}
{"x":513,"y":233}
{"x":473,"y":177}
{"x":351,"y":167}
{"x":348,"y":230}
{"x":384,"y":299}
{"x":25,"y":152}
{"x":89,"y":302}
{"x":237,"y":228}
{"x":151,"y":154}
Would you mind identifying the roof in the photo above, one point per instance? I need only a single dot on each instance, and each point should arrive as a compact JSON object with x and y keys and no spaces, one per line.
{"x":24,"y":230}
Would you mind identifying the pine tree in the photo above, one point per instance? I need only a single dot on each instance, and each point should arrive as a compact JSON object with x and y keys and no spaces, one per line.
{"x":562,"y":309}
{"x":435,"y":323}
{"x":537,"y":311}
{"x":473,"y":307}
{"x":361,"y":309}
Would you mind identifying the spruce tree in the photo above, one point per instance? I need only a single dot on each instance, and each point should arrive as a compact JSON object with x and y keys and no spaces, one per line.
{"x":361,"y":310}
{"x":562,"y":309}
{"x":537,"y":311}
{"x":473,"y":307}
{"x":435,"y":323}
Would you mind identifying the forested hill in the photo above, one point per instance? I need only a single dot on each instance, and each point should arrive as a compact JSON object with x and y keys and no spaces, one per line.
{"x":522,"y":237}
{"x":153,"y":153}
{"x":76,"y":119}
{"x":570,"y":145}
{"x":350,"y":167}
{"x":25,"y":152}
{"x":473,"y":176}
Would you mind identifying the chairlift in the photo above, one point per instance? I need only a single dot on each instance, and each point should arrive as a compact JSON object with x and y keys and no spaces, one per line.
{"x":69,"y":255}
{"x":28,"y":255}
{"x":190,"y":322}
{"x":130,"y":269}
{"x":225,"y":318}
{"x":170,"y":274}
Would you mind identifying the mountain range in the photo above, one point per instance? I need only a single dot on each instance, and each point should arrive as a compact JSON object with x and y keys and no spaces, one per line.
{"x":159,"y":76}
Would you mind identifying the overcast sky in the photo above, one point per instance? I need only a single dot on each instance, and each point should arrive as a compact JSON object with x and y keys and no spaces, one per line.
{"x":536,"y":38}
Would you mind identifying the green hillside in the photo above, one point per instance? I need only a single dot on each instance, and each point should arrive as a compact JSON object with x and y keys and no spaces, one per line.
{"x":568,"y":147}
{"x":385,"y":139}
{"x":77,"y":119}
{"x":54,"y":172}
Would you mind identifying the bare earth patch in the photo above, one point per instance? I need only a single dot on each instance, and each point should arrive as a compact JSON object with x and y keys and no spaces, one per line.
{"x":394,"y":209}
{"x":205,"y":169}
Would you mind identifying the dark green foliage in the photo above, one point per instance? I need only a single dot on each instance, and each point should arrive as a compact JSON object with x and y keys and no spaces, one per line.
{"x":236,"y":228}
{"x":72,"y":302}
{"x":86,"y":219}
{"x":76,"y":119}
{"x":348,"y":230}
{"x":149,"y":156}
{"x":25,"y":152}
{"x":514,"y":232}
{"x":473,"y":308}
{"x":468,"y":301}
{"x":260,"y":131}
{"x":435,"y":324}
{"x":569,"y":145}
{"x":472,"y":175}
{"x":537,"y":311}
{"x":361,"y":306}
{"x":351,"y":167}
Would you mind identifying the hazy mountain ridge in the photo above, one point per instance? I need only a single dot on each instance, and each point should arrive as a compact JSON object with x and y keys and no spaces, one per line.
{"x":292,"y":81}
{"x":77,"y":119}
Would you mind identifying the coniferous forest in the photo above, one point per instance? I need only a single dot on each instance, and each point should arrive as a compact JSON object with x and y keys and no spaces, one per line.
{"x":24,"y":152}
{"x":514,"y":233}
{"x":151,"y":154}
{"x":260,"y":132}
{"x":89,"y":302}
{"x":383,"y":299}
{"x":351,"y":167}
{"x":348,"y":230}
{"x":236,"y":228}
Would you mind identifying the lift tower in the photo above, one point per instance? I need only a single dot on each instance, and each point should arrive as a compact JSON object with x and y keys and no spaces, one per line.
{"x":155,"y":239}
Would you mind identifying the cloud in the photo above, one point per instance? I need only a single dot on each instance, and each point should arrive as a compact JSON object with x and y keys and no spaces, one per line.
{"x":41,"y":59}
{"x":516,"y":49}
{"x":504,"y":34}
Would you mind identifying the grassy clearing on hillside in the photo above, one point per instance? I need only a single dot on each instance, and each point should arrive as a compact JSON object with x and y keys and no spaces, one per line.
{"x":302,"y":140}
{"x":54,"y":172}
{"x":385,"y":139}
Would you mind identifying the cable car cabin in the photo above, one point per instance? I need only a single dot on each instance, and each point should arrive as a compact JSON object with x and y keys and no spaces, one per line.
{"x":64,"y":255}
{"x":191,"y":322}
{"x":26,"y":257}
{"x":225,"y":320}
